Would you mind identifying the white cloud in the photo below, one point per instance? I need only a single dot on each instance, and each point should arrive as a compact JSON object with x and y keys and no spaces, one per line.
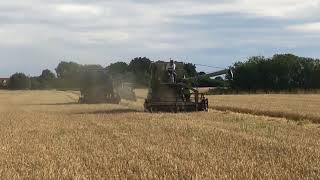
{"x":127,"y":21}
{"x":278,"y":8}
{"x":101,"y":37}
{"x":14,"y":36}
{"x":78,"y":9}
{"x":132,"y":27}
{"x":307,"y":27}
{"x":269,"y":8}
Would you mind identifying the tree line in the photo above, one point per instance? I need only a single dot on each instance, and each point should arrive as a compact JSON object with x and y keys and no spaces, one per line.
{"x":69,"y":75}
{"x":282,"y":72}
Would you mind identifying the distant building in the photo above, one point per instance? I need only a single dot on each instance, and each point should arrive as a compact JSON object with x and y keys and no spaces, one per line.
{"x":4,"y":82}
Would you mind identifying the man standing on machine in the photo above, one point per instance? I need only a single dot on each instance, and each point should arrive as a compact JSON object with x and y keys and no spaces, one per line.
{"x":171,"y":68}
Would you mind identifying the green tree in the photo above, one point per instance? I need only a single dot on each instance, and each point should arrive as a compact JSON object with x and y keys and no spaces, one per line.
{"x":47,"y":75}
{"x":206,"y":81}
{"x":118,"y":68}
{"x":190,"y":70}
{"x":315,"y":80}
{"x":67,"y":70}
{"x":281,"y":72}
{"x":46,"y":79}
{"x":140,"y":68}
{"x":70,"y":74}
{"x":35,"y":83}
{"x":90,"y":67}
{"x":19,"y":81}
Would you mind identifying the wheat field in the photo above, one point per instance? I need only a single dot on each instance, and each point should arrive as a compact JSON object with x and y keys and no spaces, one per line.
{"x":291,"y":106}
{"x":47,"y":135}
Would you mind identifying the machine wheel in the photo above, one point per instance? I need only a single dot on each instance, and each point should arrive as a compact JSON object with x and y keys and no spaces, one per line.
{"x":145,"y":105}
{"x":204,"y":106}
{"x":81,"y":100}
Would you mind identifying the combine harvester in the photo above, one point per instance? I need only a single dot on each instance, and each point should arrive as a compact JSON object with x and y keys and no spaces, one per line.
{"x":170,"y":92}
{"x":98,"y":87}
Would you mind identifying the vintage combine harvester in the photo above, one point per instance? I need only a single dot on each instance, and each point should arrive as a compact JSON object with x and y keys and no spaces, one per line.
{"x":98,"y":87}
{"x":170,"y":92}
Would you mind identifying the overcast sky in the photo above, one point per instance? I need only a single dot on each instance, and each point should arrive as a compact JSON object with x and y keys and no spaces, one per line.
{"x":37,"y":34}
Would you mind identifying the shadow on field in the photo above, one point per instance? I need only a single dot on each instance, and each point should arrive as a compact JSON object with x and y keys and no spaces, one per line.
{"x":111,"y":111}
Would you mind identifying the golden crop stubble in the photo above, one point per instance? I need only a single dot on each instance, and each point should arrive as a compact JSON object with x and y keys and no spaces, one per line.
{"x":46,"y":136}
{"x":295,"y":107}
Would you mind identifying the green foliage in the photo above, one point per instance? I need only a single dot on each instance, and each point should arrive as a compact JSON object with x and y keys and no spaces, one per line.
{"x":118,"y":68}
{"x":93,"y":78}
{"x":119,"y":72}
{"x":67,"y":69}
{"x":89,"y":67}
{"x":70,"y":74}
{"x":45,"y":81}
{"x":36,"y":83}
{"x":47,"y":75}
{"x":204,"y":81}
{"x":281,"y":72}
{"x":19,"y":81}
{"x":190,"y":70}
{"x":140,"y":68}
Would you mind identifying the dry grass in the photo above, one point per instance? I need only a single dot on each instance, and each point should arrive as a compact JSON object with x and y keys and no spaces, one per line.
{"x":294,"y":107}
{"x":44,"y":135}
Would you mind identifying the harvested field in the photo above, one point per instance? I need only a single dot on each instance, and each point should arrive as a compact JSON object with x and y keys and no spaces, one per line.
{"x":46,"y":135}
{"x":293,"y":107}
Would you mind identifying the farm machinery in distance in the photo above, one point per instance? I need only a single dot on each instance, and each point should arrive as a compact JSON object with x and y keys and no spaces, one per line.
{"x":97,"y":86}
{"x":169,"y":90}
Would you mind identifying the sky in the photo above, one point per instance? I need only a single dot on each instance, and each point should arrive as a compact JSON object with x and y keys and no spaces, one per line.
{"x":38,"y":34}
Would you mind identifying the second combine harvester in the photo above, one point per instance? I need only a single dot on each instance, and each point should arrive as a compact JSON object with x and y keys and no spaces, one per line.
{"x":97,"y":86}
{"x":170,"y":92}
